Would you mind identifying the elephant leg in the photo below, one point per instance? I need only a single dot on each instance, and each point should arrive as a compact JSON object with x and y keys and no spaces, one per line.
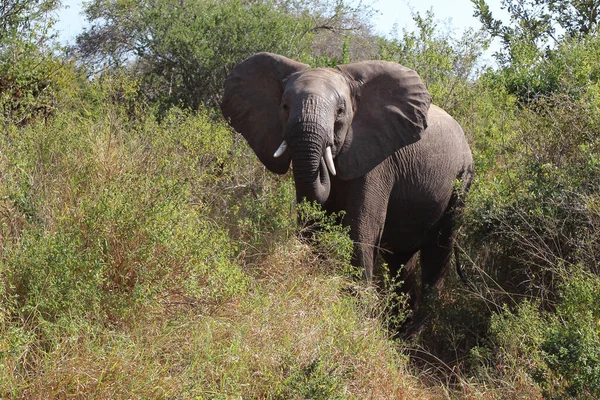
{"x":437,"y":251}
{"x":364,"y":201}
{"x":403,"y":267}
{"x":366,"y":249}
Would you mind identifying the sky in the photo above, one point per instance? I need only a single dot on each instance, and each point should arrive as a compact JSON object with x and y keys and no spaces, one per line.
{"x":458,"y":14}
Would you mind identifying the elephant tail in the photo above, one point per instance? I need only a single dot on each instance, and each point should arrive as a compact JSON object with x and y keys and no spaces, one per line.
{"x":459,"y":267}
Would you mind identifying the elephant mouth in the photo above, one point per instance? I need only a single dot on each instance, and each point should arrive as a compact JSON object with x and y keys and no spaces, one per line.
{"x":312,"y":160}
{"x":327,"y":157}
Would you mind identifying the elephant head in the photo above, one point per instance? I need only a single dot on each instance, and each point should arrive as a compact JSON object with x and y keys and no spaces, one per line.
{"x":342,"y":121}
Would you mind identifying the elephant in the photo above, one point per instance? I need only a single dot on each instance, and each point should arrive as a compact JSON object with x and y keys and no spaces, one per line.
{"x":363,"y":138}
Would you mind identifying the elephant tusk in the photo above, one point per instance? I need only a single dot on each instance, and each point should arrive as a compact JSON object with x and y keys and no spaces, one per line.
{"x":329,"y":160}
{"x":281,"y":149}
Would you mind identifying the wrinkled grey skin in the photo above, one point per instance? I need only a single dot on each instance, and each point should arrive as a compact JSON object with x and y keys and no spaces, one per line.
{"x":401,"y":162}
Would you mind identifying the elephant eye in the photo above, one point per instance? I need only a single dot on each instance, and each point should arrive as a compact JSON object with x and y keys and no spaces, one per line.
{"x":340,"y":111}
{"x":285,"y":107}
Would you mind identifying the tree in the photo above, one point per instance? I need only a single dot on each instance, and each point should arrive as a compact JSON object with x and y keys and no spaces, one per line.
{"x":446,"y":64}
{"x":530,"y":28}
{"x":536,"y":44}
{"x":183,"y":49}
{"x":576,"y":17}
{"x":537,"y":21}
{"x":30,"y":70}
{"x":21,"y":17}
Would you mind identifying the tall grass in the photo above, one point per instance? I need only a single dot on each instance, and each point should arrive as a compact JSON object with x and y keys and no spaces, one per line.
{"x":154,"y":257}
{"x":157,"y":259}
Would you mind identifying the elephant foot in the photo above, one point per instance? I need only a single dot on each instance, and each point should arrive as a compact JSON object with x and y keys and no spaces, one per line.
{"x":411,"y":330}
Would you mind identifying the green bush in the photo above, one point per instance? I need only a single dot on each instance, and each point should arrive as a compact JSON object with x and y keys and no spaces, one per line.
{"x":33,"y":77}
{"x":32,"y":82}
{"x":533,"y":208}
{"x":444,"y":63}
{"x":558,"y":349}
{"x":326,"y":234}
{"x":102,"y":218}
{"x":571,"y":346}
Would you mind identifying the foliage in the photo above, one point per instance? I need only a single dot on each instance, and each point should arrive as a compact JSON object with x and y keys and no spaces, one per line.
{"x":24,"y":17}
{"x":530,"y":23}
{"x":445,"y":64}
{"x":328,"y":236}
{"x":32,"y":82}
{"x":536,"y":21}
{"x":185,"y":50}
{"x":534,"y":214}
{"x":531,"y":227}
{"x":560,"y":349}
{"x":150,"y":259}
{"x":533,"y":59}
{"x":570,"y":347}
{"x":145,"y":252}
{"x":97,"y":220}
{"x":570,"y":68}
{"x":31,"y":75}
{"x":577,"y":17}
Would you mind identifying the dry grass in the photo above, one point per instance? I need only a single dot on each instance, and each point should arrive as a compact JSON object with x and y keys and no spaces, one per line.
{"x":295,"y":334}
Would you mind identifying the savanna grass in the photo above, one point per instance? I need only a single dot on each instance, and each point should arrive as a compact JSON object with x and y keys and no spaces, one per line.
{"x":157,"y":259}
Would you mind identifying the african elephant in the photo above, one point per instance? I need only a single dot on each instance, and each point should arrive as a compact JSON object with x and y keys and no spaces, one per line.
{"x":363,"y":138}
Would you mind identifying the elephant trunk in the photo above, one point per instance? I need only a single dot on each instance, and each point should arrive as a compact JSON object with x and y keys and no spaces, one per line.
{"x":311,"y":175}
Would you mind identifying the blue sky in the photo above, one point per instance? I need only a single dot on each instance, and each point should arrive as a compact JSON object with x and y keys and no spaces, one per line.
{"x":457,"y":13}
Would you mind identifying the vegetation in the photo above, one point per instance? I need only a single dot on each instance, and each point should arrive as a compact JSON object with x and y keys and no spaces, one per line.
{"x":185,"y":49}
{"x":145,"y":252}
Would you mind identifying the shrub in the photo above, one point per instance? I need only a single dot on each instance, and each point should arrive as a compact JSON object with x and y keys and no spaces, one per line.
{"x":103,"y":218}
{"x":558,"y":350}
{"x":444,"y":63}
{"x":33,"y":82}
{"x":125,"y":271}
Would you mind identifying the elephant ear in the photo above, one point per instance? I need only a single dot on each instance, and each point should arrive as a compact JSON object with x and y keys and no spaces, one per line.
{"x":391,"y":105}
{"x":251,"y":102}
